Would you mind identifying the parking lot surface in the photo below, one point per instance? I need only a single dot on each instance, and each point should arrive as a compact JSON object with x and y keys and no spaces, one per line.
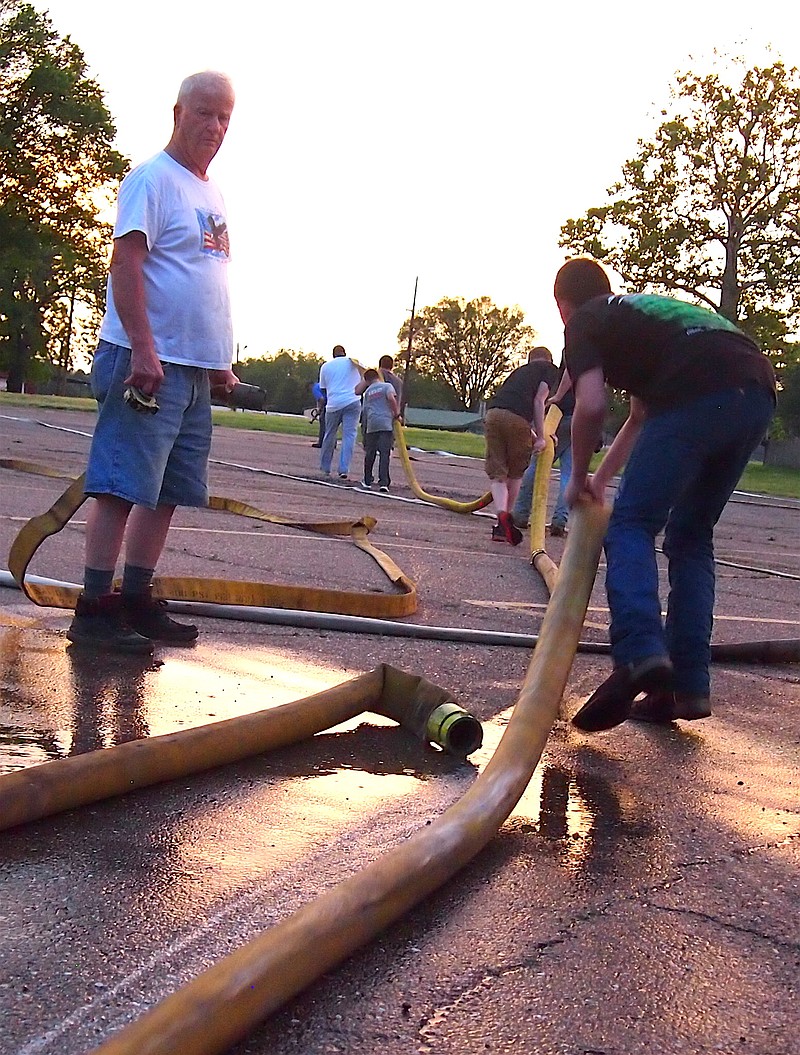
{"x":641,"y":897}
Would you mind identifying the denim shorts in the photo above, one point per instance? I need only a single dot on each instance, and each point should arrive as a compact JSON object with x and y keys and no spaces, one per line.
{"x":150,"y":459}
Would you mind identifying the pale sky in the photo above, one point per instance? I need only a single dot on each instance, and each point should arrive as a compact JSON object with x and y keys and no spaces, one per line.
{"x":373,"y":141}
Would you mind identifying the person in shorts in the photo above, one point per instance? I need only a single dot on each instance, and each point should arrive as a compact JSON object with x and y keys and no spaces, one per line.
{"x":165,"y":341}
{"x":514,"y":430}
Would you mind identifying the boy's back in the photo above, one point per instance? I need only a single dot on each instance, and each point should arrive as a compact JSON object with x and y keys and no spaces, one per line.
{"x":378,"y":414}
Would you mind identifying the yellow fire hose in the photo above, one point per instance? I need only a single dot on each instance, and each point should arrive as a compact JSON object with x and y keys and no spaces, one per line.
{"x":428,"y":711}
{"x":221,"y":591}
{"x":547,"y":568}
{"x":446,"y":503}
{"x":224,"y":1003}
{"x":265,"y":595}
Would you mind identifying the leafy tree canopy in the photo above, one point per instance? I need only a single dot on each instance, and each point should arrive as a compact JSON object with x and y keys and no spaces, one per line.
{"x":709,"y":207}
{"x":426,"y":392}
{"x":286,"y":377}
{"x":58,"y":170}
{"x":789,"y":399}
{"x":468,"y":345}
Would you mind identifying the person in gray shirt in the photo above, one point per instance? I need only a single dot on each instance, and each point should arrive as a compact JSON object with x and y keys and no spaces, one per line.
{"x":380,"y":411}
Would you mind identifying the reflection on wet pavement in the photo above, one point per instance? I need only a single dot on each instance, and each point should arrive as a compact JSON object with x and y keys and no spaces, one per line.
{"x":59,"y":701}
{"x":585,"y":815}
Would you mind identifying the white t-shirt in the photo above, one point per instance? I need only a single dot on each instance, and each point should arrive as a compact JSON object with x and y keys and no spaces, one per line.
{"x":339,"y":378}
{"x":186,"y":268}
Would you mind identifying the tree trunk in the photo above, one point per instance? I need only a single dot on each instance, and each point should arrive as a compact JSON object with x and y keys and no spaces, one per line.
{"x":18,"y":361}
{"x":65,"y":352}
{"x":730,"y":292}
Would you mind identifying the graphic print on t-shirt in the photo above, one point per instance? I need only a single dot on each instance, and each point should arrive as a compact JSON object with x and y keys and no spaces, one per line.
{"x":689,"y":317}
{"x":214,"y":232}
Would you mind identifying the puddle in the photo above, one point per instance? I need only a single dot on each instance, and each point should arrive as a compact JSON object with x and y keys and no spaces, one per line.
{"x":58,"y":702}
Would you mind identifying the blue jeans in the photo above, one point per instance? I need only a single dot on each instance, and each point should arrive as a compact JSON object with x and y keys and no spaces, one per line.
{"x":347,"y":417}
{"x":682,"y":471}
{"x":561,"y":511}
{"x":522,"y":507}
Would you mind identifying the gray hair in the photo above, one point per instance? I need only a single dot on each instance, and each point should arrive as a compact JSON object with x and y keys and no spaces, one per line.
{"x":206,"y":79}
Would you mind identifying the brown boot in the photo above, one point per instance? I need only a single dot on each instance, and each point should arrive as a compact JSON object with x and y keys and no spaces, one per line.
{"x":148,"y":617}
{"x":613,"y":701}
{"x":100,"y":623}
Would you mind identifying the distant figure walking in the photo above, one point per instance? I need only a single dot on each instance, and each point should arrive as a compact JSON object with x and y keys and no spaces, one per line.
{"x":338,"y":379}
{"x":381,"y":409}
{"x":318,"y":395}
{"x":386,"y":367}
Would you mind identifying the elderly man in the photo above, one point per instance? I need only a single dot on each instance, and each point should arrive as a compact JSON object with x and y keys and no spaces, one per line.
{"x":702,"y":396}
{"x":165,"y":340}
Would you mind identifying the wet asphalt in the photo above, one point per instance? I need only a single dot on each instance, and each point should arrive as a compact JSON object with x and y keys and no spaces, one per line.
{"x":641,"y":897}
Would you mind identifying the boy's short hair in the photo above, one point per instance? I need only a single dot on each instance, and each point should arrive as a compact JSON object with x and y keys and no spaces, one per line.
{"x":580,"y":280}
{"x":371,"y":375}
{"x":540,"y":353}
{"x":386,"y":362}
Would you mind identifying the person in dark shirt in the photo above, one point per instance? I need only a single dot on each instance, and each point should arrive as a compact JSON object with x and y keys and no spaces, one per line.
{"x":702,"y":396}
{"x":514,"y":429}
{"x":564,"y":399}
{"x":386,"y":367}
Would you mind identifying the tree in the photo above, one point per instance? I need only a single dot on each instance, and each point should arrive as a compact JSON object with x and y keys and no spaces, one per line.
{"x":789,"y":399}
{"x":426,"y":392}
{"x":286,"y":378}
{"x":468,"y":345}
{"x":710,"y":206}
{"x":58,"y":170}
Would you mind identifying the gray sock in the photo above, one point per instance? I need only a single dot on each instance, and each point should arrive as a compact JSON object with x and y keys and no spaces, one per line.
{"x":97,"y":582}
{"x":136,"y":580}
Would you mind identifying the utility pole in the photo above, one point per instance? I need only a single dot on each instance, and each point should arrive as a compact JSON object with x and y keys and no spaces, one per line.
{"x":407,"y":374}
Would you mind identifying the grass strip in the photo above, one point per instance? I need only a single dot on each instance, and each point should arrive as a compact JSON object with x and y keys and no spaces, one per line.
{"x":764,"y":479}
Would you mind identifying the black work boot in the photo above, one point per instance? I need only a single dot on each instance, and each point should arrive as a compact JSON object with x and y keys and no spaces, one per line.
{"x":661,"y":708}
{"x":100,"y":623}
{"x":148,"y":617}
{"x":612,"y":702}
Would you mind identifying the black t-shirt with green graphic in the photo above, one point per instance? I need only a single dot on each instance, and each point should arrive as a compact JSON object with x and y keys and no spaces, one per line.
{"x":663,"y":351}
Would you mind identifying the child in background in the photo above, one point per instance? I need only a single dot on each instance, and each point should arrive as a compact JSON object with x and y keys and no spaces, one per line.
{"x":381,"y":409}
